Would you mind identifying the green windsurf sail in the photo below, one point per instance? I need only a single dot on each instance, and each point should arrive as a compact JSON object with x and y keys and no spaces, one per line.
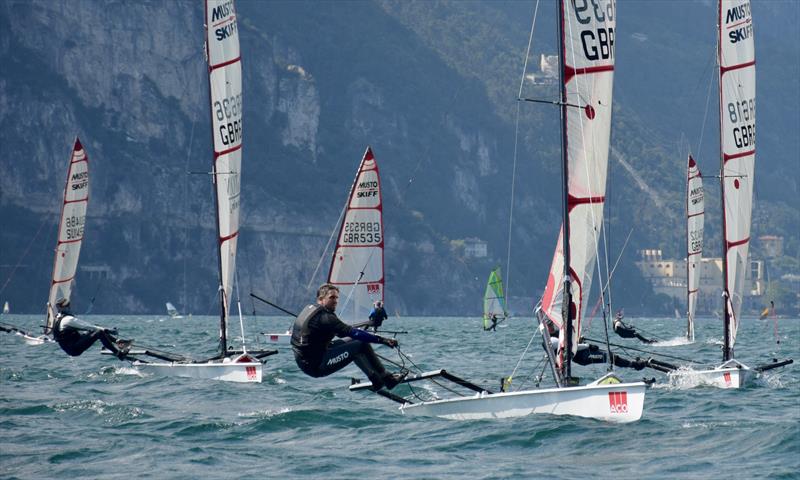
{"x":494,"y":300}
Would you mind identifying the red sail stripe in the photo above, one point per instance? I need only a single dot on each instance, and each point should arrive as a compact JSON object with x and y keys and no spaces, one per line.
{"x":733,"y":156}
{"x":570,"y":72}
{"x":737,"y":243}
{"x":211,"y":68}
{"x":723,"y":70}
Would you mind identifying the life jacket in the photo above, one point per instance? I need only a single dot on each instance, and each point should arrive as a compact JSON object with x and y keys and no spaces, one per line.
{"x":300,"y":330}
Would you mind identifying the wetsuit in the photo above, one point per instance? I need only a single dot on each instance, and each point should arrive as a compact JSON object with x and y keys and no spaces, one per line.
{"x":75,"y":336}
{"x":318,"y":354}
{"x":625,"y":331}
{"x":376,"y":317}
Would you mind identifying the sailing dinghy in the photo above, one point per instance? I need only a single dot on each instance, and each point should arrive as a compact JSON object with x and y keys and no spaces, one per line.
{"x":70,"y":234}
{"x":585,"y":104}
{"x":494,"y":300}
{"x":173,"y":312}
{"x":695,"y":210}
{"x":737,"y":102}
{"x":225,"y":86}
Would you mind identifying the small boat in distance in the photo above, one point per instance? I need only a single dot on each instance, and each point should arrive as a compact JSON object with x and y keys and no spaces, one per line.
{"x":172,"y":311}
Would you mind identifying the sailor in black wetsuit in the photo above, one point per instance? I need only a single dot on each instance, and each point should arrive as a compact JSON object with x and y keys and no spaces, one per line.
{"x":626,"y":331}
{"x":318,"y":354}
{"x":75,"y":336}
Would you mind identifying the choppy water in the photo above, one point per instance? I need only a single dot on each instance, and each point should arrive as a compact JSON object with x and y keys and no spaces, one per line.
{"x":95,"y":417}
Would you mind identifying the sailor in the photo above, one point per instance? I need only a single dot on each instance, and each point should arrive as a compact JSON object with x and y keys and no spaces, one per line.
{"x":626,"y":331}
{"x":318,"y":354}
{"x":377,"y":316}
{"x":493,"y":326}
{"x":75,"y":336}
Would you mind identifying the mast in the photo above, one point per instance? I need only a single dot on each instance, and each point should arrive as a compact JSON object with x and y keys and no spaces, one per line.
{"x":566,"y":311}
{"x":225,"y":101}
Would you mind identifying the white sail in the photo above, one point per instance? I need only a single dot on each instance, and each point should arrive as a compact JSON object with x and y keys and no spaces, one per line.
{"x":695,"y":208}
{"x":737,"y":81}
{"x":588,"y":76}
{"x":225,"y":84}
{"x":357,"y":263}
{"x":70,"y":230}
{"x":172,"y":311}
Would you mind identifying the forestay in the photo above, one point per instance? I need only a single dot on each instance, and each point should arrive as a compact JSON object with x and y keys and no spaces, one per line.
{"x":494,"y":298}
{"x":695,"y":209}
{"x":357,"y":263}
{"x":737,"y":80}
{"x":587,"y":82}
{"x":225,"y":86}
{"x":70,"y":230}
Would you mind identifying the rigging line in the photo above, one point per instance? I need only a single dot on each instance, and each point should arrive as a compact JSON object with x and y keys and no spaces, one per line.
{"x":328,"y":244}
{"x":25,"y":254}
{"x":705,"y":113}
{"x":513,"y":372}
{"x":528,"y":51}
{"x":185,"y":229}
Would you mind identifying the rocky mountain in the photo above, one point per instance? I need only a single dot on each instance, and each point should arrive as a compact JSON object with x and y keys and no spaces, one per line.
{"x":431,"y":86}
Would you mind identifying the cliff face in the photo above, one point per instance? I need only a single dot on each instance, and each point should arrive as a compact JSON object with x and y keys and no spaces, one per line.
{"x":322,"y":80}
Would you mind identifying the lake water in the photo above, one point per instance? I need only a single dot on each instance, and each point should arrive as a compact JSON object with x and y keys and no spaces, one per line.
{"x":95,"y":417}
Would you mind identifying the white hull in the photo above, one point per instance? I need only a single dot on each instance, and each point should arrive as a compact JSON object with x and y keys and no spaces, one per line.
{"x":731,"y":374}
{"x":40,"y":340}
{"x":278,"y":338}
{"x":237,"y":369}
{"x":617,"y":402}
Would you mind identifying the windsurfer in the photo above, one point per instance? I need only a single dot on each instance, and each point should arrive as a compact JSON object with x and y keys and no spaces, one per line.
{"x":493,"y":326}
{"x":377,"y":316}
{"x":318,"y":354}
{"x":626,"y":331}
{"x":75,"y":336}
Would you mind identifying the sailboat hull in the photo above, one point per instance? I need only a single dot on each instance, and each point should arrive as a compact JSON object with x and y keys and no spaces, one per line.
{"x":236,"y":370}
{"x":618,"y":403}
{"x":728,"y":375}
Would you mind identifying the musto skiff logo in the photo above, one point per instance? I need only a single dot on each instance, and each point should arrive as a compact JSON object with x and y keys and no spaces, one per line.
{"x":251,"y":373}
{"x":618,"y":402}
{"x":727,"y":377}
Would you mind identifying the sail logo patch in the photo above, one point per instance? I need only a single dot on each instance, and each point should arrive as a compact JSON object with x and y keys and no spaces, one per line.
{"x":251,"y":373}
{"x":373,"y":288}
{"x":618,"y":402}
{"x":727,"y":377}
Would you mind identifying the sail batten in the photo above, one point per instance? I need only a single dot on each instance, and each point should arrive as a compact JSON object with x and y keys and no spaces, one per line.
{"x":737,"y":103}
{"x":357,"y":264}
{"x":70,"y":230}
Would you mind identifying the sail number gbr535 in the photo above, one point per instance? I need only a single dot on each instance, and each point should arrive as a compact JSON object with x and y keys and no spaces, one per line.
{"x":365,"y":233}
{"x":598,"y":44}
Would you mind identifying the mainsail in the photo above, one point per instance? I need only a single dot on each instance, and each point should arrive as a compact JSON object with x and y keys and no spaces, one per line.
{"x":737,"y":102}
{"x":357,"y":263}
{"x":70,"y":231}
{"x":225,"y":88}
{"x":694,"y":240}
{"x":494,"y":299}
{"x":587,"y":76}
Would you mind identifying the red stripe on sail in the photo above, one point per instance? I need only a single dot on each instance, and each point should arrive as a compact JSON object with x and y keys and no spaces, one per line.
{"x":225,"y":239}
{"x":694,"y":253}
{"x":736,"y":67}
{"x":211,"y":68}
{"x":696,"y":214}
{"x":225,"y":152}
{"x":573,"y":201}
{"x":61,"y":242}
{"x":76,"y":201}
{"x":66,"y":280}
{"x":737,"y":243}
{"x":570,"y":72}
{"x":694,"y":291}
{"x":733,"y":156}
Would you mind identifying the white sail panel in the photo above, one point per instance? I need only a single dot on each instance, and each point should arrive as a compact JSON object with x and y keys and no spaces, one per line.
{"x":225,"y":85}
{"x":588,"y":76}
{"x":357,"y":263}
{"x":695,"y":218}
{"x":70,"y":230}
{"x":737,"y":132}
